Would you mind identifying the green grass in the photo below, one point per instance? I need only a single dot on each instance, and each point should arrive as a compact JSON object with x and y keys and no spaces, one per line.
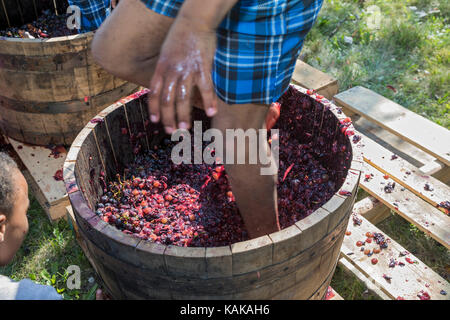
{"x":408,"y":53}
{"x":430,"y":252}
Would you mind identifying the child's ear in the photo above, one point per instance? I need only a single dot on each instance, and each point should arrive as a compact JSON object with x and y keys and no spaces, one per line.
{"x":2,"y":227}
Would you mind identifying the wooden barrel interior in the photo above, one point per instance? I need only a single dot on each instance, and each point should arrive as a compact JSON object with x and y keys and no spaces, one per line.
{"x":295,"y":263}
{"x":50,"y":88}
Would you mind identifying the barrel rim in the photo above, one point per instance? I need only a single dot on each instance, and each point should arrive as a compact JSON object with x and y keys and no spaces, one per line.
{"x":319,"y":216}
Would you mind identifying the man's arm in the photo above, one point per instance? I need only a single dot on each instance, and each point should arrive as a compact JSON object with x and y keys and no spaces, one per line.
{"x":185,"y":62}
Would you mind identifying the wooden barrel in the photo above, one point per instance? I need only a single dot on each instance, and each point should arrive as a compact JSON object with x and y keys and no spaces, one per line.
{"x":297,"y":262}
{"x":50,"y":89}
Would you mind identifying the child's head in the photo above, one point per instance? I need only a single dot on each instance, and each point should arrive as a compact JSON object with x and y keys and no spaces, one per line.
{"x":13,"y":208}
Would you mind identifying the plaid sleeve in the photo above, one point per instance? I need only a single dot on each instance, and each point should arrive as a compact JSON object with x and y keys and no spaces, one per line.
{"x":93,"y":13}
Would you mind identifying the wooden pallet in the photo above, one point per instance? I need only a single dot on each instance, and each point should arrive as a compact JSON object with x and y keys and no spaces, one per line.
{"x":40,"y":169}
{"x":395,"y":151}
{"x":406,"y":124}
{"x":408,"y":198}
{"x":407,"y":281}
{"x":415,"y":156}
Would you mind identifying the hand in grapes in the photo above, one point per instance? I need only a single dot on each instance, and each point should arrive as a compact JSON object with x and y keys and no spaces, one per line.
{"x":184,"y":63}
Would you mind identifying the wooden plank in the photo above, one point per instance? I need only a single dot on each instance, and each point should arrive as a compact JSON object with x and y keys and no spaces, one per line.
{"x":427,"y":164}
{"x":405,"y":173}
{"x":405,"y":203}
{"x":313,"y":228}
{"x":96,"y":103}
{"x":412,"y":127}
{"x":320,"y":293}
{"x":44,"y":47}
{"x":71,"y":219}
{"x":390,"y":141}
{"x":285,"y":243}
{"x":81,"y":242}
{"x":95,"y":169}
{"x":311,"y":78}
{"x":298,"y":278}
{"x":305,"y":282}
{"x":34,"y":189}
{"x":51,"y":194}
{"x":188,"y":262}
{"x":251,"y":255}
{"x":72,"y":222}
{"x":372,"y":209}
{"x":150,"y":256}
{"x":406,"y":281}
{"x":50,"y":63}
{"x":115,"y":122}
{"x":443,"y":175}
{"x":432,"y":167}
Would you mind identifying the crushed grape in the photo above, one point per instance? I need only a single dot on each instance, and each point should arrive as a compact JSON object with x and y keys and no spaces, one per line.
{"x":47,"y":25}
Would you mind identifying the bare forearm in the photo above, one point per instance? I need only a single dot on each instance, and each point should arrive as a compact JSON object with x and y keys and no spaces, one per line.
{"x":206,"y":13}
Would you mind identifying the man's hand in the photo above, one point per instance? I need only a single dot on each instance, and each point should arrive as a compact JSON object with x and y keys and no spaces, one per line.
{"x":185,"y":62}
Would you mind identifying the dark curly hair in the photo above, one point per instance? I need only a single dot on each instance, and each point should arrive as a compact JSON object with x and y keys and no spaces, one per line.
{"x":7,"y":187}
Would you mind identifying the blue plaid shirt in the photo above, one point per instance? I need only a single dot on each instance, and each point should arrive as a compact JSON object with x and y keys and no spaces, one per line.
{"x":258,"y":43}
{"x":286,"y":16}
{"x":93,"y":13}
{"x":251,"y":16}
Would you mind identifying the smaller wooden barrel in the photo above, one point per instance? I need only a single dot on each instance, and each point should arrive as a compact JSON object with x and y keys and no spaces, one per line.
{"x":297,"y":262}
{"x":50,"y":89}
